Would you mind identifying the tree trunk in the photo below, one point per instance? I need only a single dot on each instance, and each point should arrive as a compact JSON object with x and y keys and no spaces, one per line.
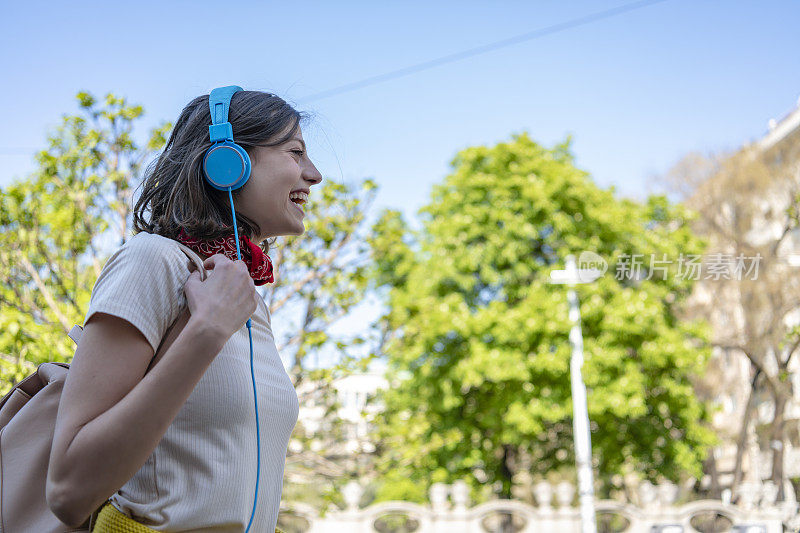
{"x":508,"y":470}
{"x":777,"y":443}
{"x":710,"y":468}
{"x":741,"y":443}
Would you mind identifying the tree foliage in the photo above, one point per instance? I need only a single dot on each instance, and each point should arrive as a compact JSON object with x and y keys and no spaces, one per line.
{"x":320,"y":277}
{"x":478,"y":347}
{"x":52,"y":226}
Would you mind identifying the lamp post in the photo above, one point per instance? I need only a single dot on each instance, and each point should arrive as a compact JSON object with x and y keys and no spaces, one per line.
{"x":580,"y":416}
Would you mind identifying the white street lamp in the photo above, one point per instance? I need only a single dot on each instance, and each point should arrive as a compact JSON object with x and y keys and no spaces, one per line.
{"x":580,"y":415}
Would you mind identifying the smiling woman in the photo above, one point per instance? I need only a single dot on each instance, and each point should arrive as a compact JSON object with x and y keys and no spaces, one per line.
{"x":137,"y":430}
{"x":270,"y":131}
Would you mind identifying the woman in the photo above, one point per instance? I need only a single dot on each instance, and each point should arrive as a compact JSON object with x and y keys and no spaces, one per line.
{"x":174,"y":440}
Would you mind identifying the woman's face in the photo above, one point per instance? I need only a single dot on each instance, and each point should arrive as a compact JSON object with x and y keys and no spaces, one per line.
{"x":277,"y":171}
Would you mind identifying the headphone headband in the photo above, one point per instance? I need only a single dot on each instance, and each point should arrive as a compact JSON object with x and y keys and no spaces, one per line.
{"x":226,"y":164}
{"x":219,"y":102}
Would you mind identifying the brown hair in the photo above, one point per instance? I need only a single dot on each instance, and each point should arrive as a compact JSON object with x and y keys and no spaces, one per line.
{"x":174,"y":188}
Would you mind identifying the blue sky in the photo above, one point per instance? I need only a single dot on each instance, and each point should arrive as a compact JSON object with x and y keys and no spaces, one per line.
{"x":636,"y":91}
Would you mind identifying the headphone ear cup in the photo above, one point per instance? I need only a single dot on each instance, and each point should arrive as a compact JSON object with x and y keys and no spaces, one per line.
{"x":226,"y":165}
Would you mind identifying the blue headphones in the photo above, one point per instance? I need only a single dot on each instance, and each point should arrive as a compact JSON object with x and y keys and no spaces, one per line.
{"x":226,"y":164}
{"x":227,"y":167}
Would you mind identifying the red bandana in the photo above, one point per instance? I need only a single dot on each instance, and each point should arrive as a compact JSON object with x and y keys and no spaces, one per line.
{"x":258,"y":263}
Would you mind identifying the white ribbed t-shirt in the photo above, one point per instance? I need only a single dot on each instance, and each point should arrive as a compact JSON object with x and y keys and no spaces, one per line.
{"x":202,"y":474}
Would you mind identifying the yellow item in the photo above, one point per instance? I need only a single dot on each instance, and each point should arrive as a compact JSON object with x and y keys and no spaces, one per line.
{"x":110,"y":520}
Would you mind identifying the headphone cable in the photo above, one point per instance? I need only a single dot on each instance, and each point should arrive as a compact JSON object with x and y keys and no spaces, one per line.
{"x":252,"y":374}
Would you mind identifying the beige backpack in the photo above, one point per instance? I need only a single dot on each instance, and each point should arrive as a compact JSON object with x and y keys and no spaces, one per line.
{"x":27,"y":423}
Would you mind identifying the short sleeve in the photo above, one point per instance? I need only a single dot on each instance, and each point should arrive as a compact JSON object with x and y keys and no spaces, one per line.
{"x":142,"y":282}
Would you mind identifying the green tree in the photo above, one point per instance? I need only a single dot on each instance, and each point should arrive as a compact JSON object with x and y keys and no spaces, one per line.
{"x":320,"y":276}
{"x":477,"y":339}
{"x":52,"y":225}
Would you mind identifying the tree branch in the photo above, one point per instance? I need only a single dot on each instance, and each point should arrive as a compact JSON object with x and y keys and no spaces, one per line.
{"x":785,"y":364}
{"x":50,"y":263}
{"x":18,"y":361}
{"x":33,"y":308}
{"x":48,"y":297}
{"x":312,"y":274}
{"x":773,"y":384}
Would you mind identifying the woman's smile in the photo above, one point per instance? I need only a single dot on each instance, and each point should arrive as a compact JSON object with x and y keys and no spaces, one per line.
{"x":298,"y":207}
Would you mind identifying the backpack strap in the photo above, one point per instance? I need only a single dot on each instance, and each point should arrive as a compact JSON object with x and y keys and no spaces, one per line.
{"x":76,"y":331}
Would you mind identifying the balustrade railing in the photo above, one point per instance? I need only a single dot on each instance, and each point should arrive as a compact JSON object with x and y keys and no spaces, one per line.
{"x":756,"y":511}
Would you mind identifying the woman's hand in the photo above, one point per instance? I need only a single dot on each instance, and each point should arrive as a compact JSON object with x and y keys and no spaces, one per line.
{"x":227,"y":297}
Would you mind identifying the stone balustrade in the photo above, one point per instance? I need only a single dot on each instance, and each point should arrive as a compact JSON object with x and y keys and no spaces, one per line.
{"x":449,"y":511}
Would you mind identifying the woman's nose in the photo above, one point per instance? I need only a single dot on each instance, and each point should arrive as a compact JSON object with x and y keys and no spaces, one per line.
{"x":311,"y":173}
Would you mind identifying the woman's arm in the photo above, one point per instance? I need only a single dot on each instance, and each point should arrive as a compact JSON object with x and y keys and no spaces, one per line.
{"x":112,"y":416}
